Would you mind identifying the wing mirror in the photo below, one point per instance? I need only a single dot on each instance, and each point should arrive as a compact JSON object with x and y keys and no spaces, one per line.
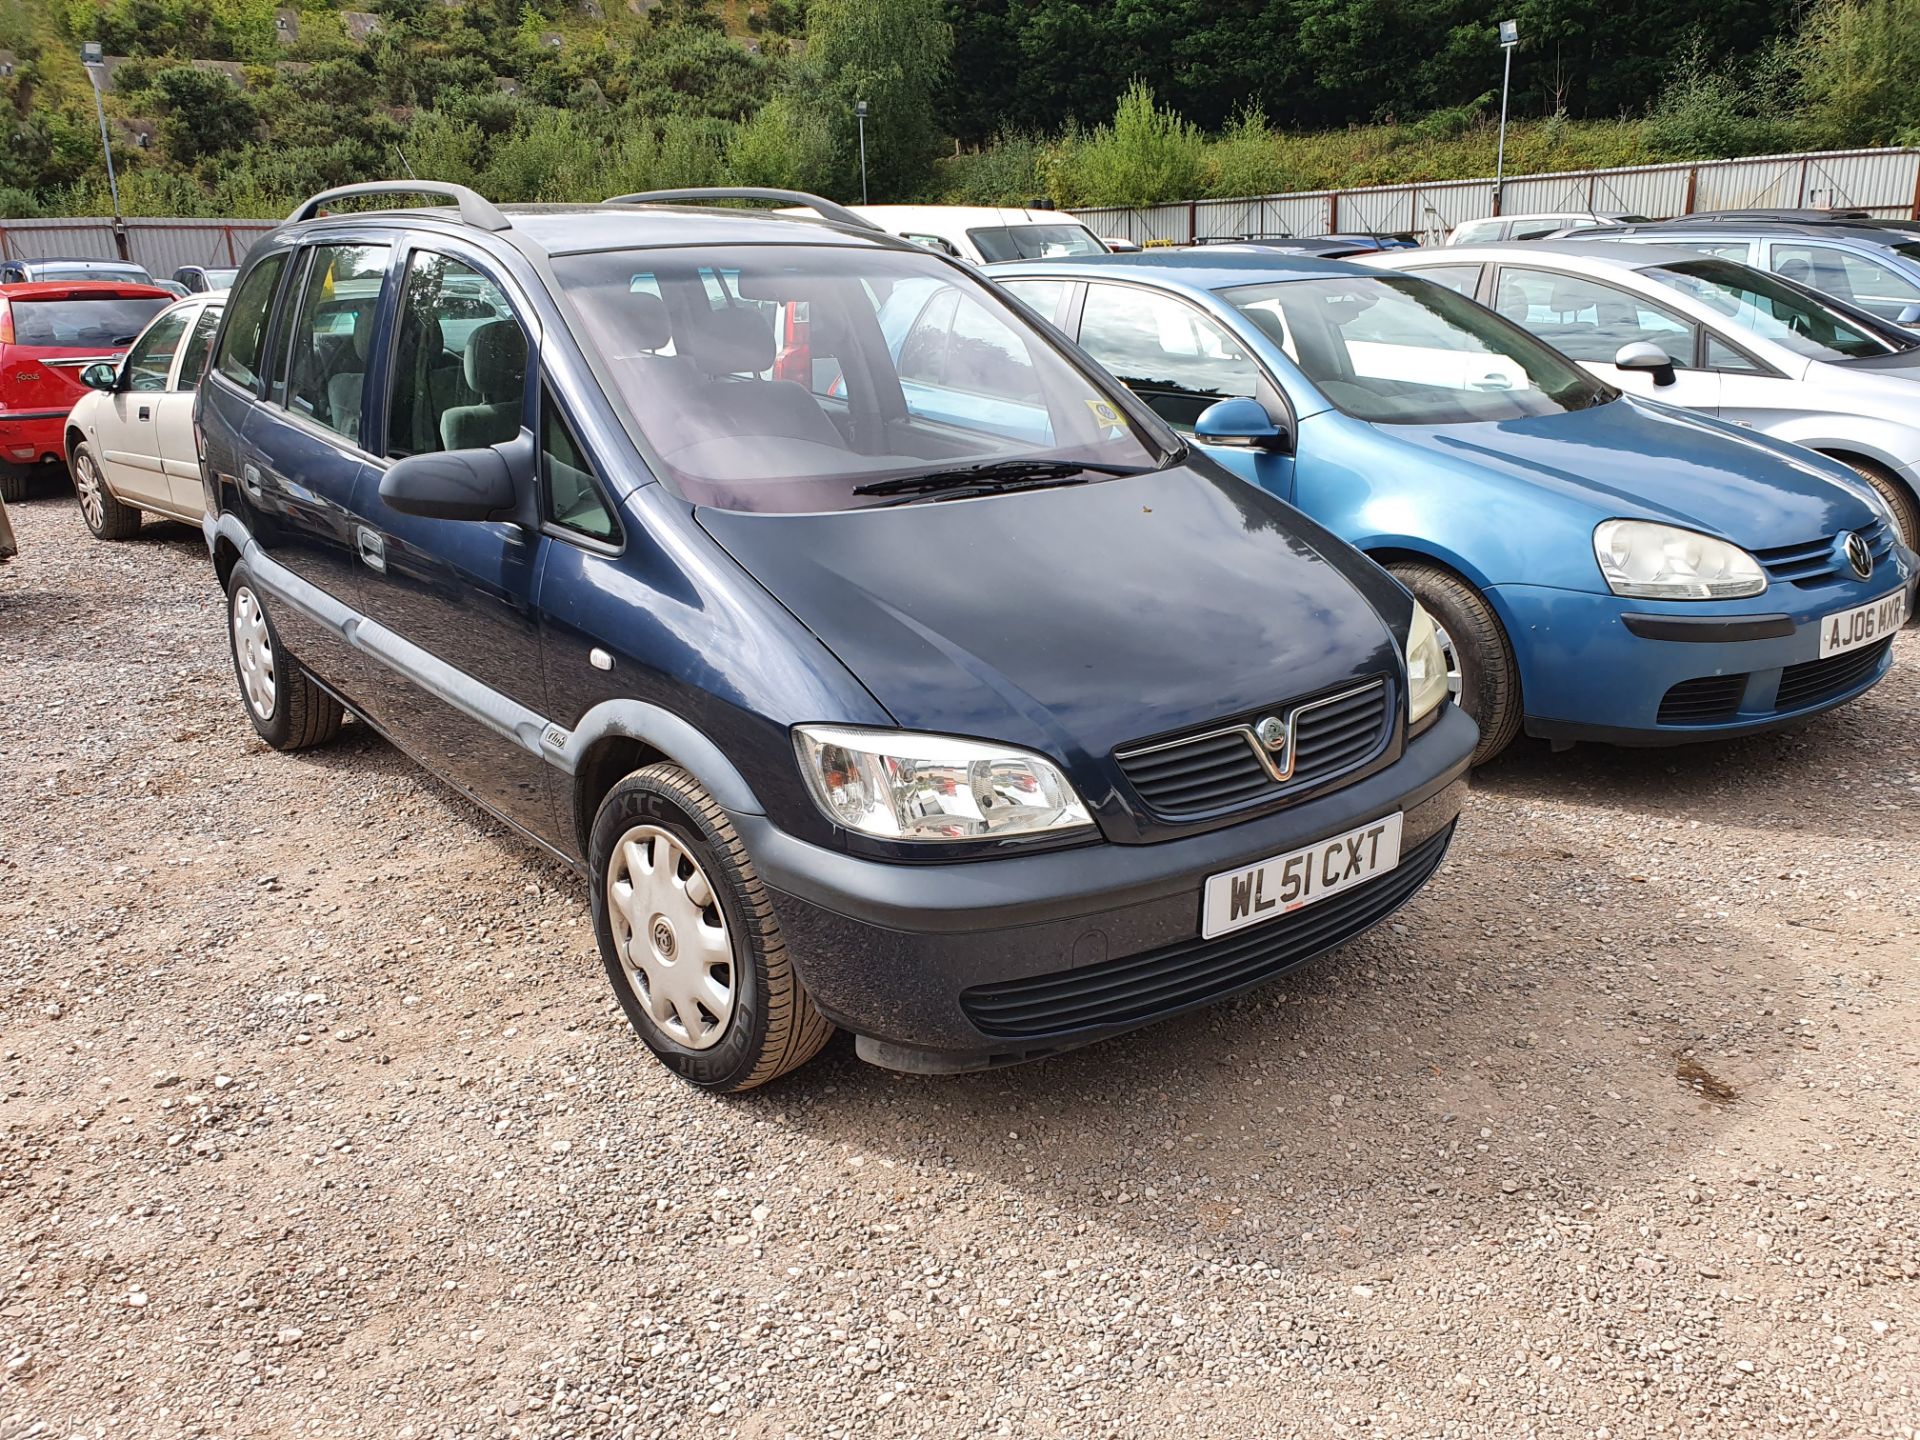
{"x":1910,"y":315}
{"x":1243,"y":424}
{"x":480,"y":484}
{"x":1645,"y":355}
{"x":101,"y":376}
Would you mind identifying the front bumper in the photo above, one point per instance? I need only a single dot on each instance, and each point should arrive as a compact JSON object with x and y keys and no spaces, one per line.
{"x":28,"y":437}
{"x":957,"y":967}
{"x":1638,"y":672}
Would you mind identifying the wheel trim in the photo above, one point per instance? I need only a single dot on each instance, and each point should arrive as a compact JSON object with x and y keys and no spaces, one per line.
{"x":1452,"y":654}
{"x":253,"y":652}
{"x":671,"y":937}
{"x":87,"y":489}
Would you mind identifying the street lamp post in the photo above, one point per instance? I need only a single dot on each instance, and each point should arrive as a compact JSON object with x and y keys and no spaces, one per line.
{"x":96,"y":64}
{"x":860,"y":118}
{"x":1509,"y":37}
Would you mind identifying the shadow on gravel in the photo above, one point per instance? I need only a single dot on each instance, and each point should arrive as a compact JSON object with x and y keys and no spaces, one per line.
{"x":1486,"y":1057}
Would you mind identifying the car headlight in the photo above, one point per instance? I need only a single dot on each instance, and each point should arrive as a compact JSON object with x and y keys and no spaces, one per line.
{"x":1664,"y":562}
{"x":894,"y":785}
{"x":1426,"y":667}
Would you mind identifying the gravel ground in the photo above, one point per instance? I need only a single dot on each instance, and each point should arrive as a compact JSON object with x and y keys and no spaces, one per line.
{"x":319,"y":1118}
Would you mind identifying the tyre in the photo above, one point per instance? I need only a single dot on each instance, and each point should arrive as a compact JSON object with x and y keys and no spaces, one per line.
{"x":689,"y":938}
{"x":288,"y":710}
{"x":1906,"y":512}
{"x":1480,"y":670}
{"x":13,"y":484}
{"x":106,"y":517}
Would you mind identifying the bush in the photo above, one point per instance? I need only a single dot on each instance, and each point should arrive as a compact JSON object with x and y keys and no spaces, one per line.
{"x":1246,"y":159}
{"x":1709,"y":112}
{"x":1860,"y":67}
{"x":783,"y":145}
{"x":1010,"y":170}
{"x":1146,"y":156}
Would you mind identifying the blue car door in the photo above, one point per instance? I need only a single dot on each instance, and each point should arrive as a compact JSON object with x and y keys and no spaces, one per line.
{"x":1180,"y":360}
{"x":453,"y":603}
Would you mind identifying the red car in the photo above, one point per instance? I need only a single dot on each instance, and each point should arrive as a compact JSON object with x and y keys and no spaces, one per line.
{"x":50,"y":331}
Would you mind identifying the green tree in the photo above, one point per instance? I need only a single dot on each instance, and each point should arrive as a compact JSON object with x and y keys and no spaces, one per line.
{"x":893,"y":54}
{"x":202,"y":113}
{"x":1146,"y":156}
{"x":1860,"y":67}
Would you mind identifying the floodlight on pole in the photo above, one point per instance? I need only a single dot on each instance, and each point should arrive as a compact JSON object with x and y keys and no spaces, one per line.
{"x":1509,"y":37}
{"x":96,"y":63}
{"x":860,"y":118}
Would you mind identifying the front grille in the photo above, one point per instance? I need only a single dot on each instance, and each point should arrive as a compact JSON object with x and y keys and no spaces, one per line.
{"x":1704,"y":701}
{"x":1814,"y":680}
{"x":1140,"y":988}
{"x":1227,"y":766}
{"x":1817,"y":561}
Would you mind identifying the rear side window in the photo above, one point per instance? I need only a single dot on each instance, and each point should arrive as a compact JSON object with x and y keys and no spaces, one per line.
{"x":72,"y":324}
{"x":332,"y":334}
{"x":1461,"y":279}
{"x":246,"y":328}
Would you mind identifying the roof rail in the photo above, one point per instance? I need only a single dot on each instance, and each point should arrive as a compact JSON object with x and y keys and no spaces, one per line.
{"x":826,"y":208}
{"x":475,"y":209}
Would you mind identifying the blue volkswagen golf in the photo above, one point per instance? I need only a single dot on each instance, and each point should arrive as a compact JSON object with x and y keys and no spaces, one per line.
{"x":982,"y":738}
{"x":1601,"y":567}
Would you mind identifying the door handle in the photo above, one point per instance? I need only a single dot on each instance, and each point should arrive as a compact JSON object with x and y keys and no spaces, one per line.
{"x":373,"y":549}
{"x":146,"y":412}
{"x":250,"y":479}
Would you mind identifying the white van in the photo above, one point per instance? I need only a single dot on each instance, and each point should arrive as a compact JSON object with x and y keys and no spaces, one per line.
{"x":986,"y":233}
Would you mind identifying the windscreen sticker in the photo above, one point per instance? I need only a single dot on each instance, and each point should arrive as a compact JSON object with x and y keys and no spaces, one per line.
{"x":1105,"y":415}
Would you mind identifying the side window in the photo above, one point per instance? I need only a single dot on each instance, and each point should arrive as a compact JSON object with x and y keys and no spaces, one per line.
{"x":1176,"y":359}
{"x":575,"y":500}
{"x":1461,"y":279}
{"x":247,"y":323}
{"x":459,"y":361}
{"x":332,"y":334}
{"x":193,"y":359}
{"x":152,"y":356}
{"x":1587,"y":320}
{"x":1475,"y":232}
{"x":1534,"y":229}
{"x":1846,"y":276}
{"x":1043,"y":297}
{"x":923,"y":355}
{"x":1722,"y":356}
{"x":1712,"y":249}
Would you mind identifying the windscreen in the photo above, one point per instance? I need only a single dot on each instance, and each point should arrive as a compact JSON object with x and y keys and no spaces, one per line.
{"x":1035,"y":242}
{"x":1772,"y":309}
{"x":105,"y":320}
{"x":220,"y":279}
{"x":1404,"y":351}
{"x":789,"y":378}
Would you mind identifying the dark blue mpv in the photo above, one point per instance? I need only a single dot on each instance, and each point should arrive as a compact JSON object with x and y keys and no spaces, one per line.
{"x":982,"y":736}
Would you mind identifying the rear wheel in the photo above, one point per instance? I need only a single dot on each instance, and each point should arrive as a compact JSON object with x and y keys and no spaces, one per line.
{"x":106,"y":517}
{"x":13,"y":483}
{"x":1481,"y":674}
{"x":1906,"y":512}
{"x":287,"y":708}
{"x":689,"y":937}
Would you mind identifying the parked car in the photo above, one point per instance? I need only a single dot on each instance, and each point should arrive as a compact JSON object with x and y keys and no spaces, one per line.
{"x":26,"y":272}
{"x":1719,"y":337}
{"x":1873,"y":265}
{"x":1536,"y":226}
{"x":835,"y":706}
{"x":129,"y":440}
{"x":983,"y":233}
{"x":1600,"y":568}
{"x":200,"y":279}
{"x":49,"y":332}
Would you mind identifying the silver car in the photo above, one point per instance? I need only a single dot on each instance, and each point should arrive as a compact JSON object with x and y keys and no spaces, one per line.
{"x":1716,"y":336}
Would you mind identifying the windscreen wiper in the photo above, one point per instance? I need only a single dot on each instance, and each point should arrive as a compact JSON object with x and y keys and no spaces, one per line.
{"x":994,"y":475}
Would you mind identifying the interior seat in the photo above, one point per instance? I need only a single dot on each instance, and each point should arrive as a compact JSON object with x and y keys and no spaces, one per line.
{"x":495,"y":370}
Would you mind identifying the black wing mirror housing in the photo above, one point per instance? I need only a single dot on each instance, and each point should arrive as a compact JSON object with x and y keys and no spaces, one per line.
{"x":490,"y":483}
{"x":101,"y":376}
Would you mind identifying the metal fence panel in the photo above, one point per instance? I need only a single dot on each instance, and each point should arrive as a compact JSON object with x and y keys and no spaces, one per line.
{"x":1886,"y":182}
{"x":160,"y":245}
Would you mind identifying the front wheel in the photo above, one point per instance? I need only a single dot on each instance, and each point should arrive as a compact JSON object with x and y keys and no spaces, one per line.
{"x":689,"y":937}
{"x":1906,"y":513}
{"x":1481,"y":673}
{"x":106,"y":517}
